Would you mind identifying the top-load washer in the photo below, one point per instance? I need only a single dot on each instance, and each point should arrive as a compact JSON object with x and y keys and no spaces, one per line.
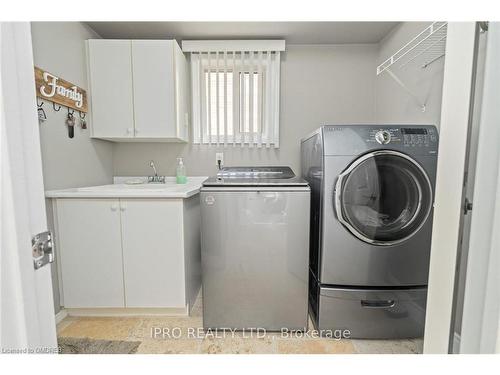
{"x":254,"y":249}
{"x":371,"y":219}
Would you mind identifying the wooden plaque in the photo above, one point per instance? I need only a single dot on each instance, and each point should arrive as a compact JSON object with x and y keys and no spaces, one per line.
{"x":52,"y":88}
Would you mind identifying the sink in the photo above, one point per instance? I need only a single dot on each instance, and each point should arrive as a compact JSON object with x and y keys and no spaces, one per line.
{"x":146,"y":186}
{"x":170,"y":189}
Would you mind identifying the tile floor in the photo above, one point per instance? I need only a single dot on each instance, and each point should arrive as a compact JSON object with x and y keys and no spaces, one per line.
{"x":141,"y":328}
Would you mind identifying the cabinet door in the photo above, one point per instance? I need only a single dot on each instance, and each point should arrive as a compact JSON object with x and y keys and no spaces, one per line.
{"x":110,"y":70}
{"x":90,"y":252}
{"x":154,"y":88}
{"x":153,"y":255}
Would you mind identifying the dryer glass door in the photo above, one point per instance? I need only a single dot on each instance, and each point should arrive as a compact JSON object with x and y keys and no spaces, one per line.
{"x":383,"y":197}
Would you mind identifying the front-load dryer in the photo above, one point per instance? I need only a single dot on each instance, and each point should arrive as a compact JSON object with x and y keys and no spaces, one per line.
{"x":372,"y":192}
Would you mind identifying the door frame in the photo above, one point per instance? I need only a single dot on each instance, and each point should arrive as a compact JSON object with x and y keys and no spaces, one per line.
{"x":456,"y":111}
{"x":481,"y":309}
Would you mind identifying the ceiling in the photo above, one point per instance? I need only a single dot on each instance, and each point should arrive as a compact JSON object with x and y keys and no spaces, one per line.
{"x":292,"y":32}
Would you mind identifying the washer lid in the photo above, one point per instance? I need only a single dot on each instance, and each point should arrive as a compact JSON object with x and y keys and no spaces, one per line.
{"x":252,"y":176}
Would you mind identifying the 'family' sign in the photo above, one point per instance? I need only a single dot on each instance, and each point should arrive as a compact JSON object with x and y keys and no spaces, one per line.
{"x":57,"y":90}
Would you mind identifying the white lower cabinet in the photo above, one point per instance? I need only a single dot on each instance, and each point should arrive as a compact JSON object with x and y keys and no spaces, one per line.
{"x":91,"y":263}
{"x":128,"y":253}
{"x":153,"y":256}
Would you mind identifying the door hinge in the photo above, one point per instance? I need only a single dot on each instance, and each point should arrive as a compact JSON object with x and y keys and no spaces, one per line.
{"x":467,"y":206}
{"x":42,"y":249}
{"x":483,"y":26}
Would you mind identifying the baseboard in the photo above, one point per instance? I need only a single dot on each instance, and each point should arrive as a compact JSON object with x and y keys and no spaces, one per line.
{"x":61,"y":315}
{"x":128,"y":311}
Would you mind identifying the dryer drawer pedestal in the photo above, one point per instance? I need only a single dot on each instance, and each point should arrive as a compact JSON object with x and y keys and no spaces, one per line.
{"x":375,"y":314}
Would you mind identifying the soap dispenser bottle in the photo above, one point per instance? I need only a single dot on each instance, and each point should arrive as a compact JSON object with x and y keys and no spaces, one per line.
{"x":180,"y":172}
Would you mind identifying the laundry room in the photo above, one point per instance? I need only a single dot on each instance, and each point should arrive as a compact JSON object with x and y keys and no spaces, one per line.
{"x":203,"y":187}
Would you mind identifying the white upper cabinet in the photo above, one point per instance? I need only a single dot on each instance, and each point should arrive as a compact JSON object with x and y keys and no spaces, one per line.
{"x":139,"y":90}
{"x":110,"y":68}
{"x":154,"y":88}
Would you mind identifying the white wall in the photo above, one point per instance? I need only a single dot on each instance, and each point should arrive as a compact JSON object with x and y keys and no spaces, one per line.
{"x":59,"y":48}
{"x":393,"y":104}
{"x":320,"y":85}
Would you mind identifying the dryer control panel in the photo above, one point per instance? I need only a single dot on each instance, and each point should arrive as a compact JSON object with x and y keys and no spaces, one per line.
{"x":355,"y":139}
{"x":383,"y":137}
{"x":409,"y":137}
{"x":418,"y":136}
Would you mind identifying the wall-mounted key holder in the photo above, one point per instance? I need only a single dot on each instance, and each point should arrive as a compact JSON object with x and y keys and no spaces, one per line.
{"x":70,"y":122}
{"x":61,"y":93}
{"x":57,"y":90}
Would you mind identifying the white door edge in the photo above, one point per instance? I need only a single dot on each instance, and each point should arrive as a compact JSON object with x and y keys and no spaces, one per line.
{"x":457,"y":87}
{"x":26,"y":309}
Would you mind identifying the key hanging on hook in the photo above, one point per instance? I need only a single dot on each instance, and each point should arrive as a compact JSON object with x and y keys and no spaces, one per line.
{"x":41,"y":112}
{"x":70,"y":122}
{"x":83,"y":122}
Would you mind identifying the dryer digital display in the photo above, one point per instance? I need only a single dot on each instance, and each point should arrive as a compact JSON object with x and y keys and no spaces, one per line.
{"x":418,"y":131}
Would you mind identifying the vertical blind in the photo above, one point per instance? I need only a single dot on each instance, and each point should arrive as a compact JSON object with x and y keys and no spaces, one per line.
{"x":235,"y":92}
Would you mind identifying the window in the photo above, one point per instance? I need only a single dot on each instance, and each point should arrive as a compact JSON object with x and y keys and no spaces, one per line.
{"x":235,"y":96}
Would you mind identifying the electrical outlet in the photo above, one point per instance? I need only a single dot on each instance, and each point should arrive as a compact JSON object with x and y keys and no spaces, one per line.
{"x":219,"y":156}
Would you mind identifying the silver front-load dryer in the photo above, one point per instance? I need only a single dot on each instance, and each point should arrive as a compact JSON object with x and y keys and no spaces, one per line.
{"x":371,"y":220}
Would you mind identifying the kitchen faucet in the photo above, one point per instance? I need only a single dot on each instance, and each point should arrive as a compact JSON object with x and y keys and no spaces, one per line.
{"x":152,"y":165}
{"x":155,"y":179}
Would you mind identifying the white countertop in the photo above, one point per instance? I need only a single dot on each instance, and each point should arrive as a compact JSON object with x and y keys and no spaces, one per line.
{"x":122,"y":189}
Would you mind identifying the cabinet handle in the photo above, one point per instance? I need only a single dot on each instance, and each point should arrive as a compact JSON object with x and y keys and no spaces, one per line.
{"x":123,"y":206}
{"x":114,"y":207}
{"x":129,"y":130}
{"x":136,"y":130}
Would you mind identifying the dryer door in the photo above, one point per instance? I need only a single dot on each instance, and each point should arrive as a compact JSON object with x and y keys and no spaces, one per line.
{"x":383,"y":197}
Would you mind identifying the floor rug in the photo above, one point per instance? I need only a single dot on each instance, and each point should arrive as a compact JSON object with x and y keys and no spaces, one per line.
{"x":72,"y":345}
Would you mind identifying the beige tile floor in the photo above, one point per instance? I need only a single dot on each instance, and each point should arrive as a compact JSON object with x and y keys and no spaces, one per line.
{"x":141,"y":329}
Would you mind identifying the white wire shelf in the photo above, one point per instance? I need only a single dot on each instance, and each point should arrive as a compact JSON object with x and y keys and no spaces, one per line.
{"x":422,"y":50}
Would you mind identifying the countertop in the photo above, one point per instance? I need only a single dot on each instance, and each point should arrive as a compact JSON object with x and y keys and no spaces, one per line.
{"x":121,"y":189}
